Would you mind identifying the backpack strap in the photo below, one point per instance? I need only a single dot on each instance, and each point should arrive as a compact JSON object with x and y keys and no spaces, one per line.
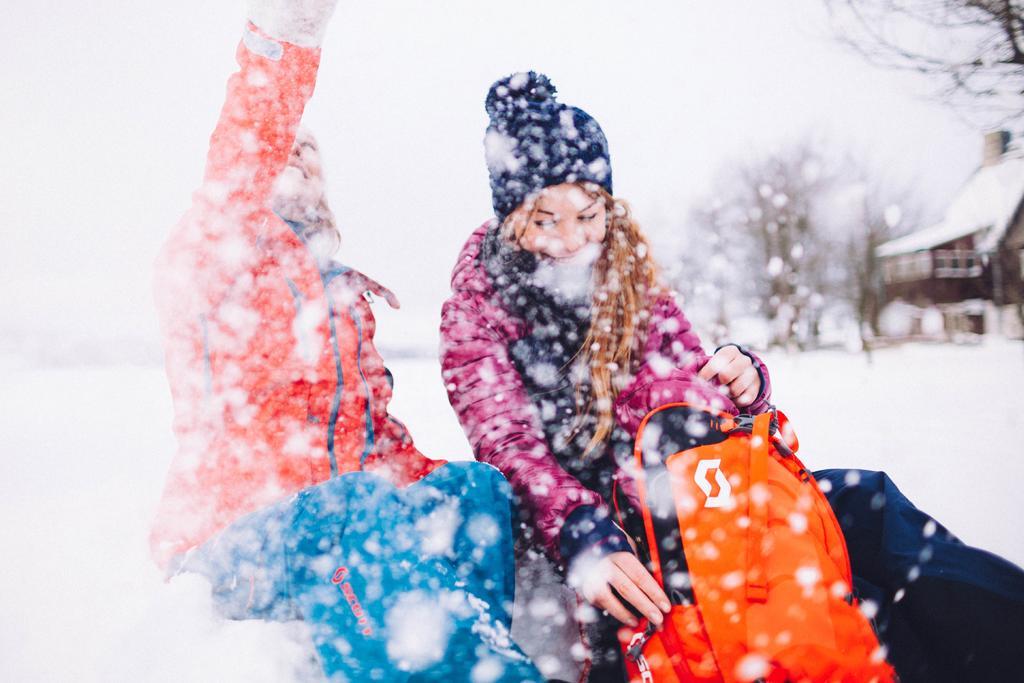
{"x":675,"y":572}
{"x":757,"y":577}
{"x":675,"y":427}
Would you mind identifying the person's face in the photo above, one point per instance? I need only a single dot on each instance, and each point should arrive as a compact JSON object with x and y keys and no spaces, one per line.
{"x":564,"y":219}
{"x":305,"y":155}
{"x":300,"y":186}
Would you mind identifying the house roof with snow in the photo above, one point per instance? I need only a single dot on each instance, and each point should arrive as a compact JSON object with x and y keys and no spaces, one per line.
{"x":987,"y":204}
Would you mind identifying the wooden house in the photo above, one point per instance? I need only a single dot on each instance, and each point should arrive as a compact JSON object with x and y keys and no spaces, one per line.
{"x":970,"y":265}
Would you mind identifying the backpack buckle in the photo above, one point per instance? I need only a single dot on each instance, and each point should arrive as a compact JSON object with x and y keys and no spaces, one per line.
{"x":639,"y":640}
{"x":744,"y":424}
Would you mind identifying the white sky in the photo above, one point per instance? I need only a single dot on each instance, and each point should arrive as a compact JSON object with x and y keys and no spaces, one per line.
{"x":107,"y":111}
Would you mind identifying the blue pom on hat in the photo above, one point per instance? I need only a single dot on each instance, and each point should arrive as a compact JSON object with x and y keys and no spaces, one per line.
{"x":534,"y":141}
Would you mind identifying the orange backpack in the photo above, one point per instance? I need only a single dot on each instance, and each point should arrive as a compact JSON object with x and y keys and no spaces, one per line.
{"x":750,"y":554}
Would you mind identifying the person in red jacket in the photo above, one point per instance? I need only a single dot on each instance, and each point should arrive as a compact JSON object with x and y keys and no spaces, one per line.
{"x":293,"y":490}
{"x":275,"y":380}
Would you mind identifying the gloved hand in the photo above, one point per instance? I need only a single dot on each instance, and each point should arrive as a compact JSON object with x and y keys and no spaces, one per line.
{"x":299,"y":22}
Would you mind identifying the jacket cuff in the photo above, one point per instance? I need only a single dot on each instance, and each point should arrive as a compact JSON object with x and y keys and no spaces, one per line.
{"x":590,"y":530}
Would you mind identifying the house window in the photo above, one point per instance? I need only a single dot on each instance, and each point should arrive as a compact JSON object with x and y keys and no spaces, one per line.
{"x":908,"y":267}
{"x":956,"y":263}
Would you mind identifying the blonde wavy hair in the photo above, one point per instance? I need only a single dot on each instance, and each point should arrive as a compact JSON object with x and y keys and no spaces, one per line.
{"x":625,"y":283}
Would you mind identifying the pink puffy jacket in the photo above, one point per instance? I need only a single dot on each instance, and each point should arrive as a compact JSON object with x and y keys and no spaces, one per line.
{"x":502,"y":423}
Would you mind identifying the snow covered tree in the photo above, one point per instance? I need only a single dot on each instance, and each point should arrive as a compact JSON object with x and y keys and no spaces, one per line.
{"x":784,"y":221}
{"x":875,"y":214}
{"x":795,"y":232}
{"x":707,"y":273}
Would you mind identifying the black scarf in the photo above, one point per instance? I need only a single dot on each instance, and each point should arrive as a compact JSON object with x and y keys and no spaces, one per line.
{"x":547,"y":360}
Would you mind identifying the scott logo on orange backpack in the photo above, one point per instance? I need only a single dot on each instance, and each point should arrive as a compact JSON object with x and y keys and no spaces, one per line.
{"x":756,"y":595}
{"x":701,"y":478}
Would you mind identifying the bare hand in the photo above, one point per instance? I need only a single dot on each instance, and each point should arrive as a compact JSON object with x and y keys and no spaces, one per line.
{"x":352,"y":286}
{"x":377,"y":288}
{"x":623,"y":572}
{"x":736,"y":373}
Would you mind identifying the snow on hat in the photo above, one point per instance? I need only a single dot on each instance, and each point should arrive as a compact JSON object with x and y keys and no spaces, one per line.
{"x":534,"y":141}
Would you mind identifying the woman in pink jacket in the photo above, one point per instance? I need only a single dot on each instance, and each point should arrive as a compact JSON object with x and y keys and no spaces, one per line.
{"x":558,"y":339}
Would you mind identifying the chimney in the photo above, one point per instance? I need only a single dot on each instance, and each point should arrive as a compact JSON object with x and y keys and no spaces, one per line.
{"x":996,"y":143}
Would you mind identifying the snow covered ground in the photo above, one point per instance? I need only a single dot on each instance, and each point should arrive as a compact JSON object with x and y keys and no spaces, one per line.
{"x":84,"y":453}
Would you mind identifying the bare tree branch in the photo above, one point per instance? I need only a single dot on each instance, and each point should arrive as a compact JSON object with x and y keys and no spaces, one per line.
{"x":975,"y":46}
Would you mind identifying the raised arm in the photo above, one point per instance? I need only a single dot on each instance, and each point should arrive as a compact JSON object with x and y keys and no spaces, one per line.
{"x":215,"y":243}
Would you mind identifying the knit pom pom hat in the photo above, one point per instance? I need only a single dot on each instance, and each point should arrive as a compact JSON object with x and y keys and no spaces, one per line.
{"x":533,"y":141}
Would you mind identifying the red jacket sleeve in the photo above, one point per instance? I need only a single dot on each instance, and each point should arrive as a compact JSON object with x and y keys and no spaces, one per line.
{"x":499,"y":419}
{"x":215,"y":243}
